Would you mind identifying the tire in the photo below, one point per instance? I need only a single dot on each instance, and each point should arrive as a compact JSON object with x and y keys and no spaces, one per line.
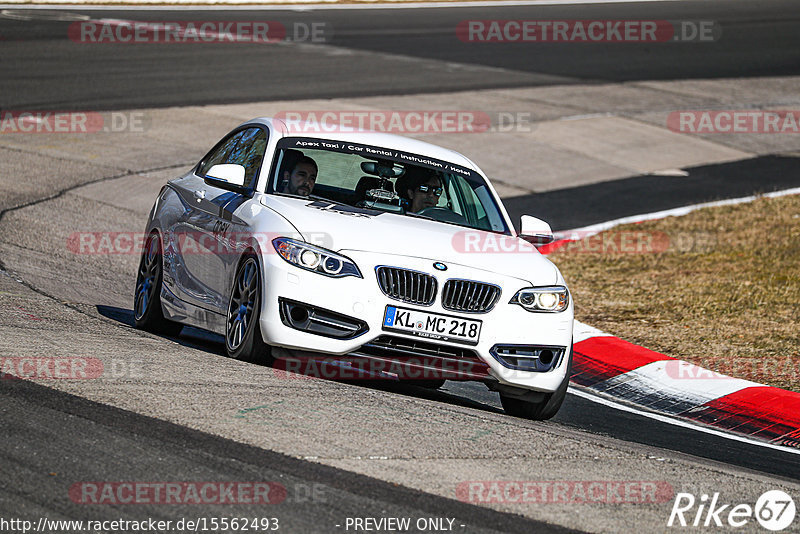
{"x":147,"y":312}
{"x":544,"y":409}
{"x":243,"y":339}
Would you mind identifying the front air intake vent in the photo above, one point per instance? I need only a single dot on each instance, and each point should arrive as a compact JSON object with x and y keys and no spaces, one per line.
{"x":537,"y":359}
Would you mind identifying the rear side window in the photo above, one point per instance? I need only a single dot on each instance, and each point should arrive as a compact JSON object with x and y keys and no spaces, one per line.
{"x":245,"y":147}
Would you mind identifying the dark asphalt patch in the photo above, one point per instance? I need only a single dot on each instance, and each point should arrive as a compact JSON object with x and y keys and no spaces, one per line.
{"x":577,"y":207}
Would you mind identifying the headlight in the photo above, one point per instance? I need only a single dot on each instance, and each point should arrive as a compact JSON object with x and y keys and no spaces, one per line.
{"x":315,"y":259}
{"x":550,"y":299}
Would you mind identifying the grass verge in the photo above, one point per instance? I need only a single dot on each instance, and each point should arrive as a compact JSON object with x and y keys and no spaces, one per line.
{"x":719,"y":287}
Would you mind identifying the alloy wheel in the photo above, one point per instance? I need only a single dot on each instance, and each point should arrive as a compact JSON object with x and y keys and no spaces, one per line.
{"x":149,"y":271}
{"x":244,"y":299}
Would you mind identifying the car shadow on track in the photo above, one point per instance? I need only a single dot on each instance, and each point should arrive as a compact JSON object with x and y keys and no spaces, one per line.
{"x":190,"y":336}
{"x":464,"y":394}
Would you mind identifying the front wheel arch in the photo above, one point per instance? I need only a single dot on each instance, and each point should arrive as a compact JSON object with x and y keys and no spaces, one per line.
{"x":243,"y":338}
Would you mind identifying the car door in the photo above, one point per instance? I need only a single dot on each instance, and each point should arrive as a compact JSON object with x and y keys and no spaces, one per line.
{"x":205,"y":232}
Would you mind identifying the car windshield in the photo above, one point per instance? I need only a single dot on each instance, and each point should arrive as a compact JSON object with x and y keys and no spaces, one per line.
{"x":374,"y":178}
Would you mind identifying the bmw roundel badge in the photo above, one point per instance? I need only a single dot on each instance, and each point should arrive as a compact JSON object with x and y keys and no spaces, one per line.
{"x":439,"y":266}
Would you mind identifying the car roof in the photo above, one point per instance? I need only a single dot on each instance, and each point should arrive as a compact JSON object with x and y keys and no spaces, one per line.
{"x":366,"y":137}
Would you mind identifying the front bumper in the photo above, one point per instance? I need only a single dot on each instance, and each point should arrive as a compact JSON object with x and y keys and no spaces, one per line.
{"x":362,"y":300}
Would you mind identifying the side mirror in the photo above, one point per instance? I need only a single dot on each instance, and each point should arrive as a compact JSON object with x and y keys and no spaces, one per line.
{"x":230,"y":173}
{"x":535,"y":231}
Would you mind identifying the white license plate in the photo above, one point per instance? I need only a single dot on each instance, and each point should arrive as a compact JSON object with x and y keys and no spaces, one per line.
{"x":432,"y":325}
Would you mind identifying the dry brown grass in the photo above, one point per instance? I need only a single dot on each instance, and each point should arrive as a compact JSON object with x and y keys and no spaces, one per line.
{"x":725,"y":294}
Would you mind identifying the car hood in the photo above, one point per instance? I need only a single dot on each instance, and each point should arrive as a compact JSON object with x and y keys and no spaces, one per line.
{"x":342,"y":228}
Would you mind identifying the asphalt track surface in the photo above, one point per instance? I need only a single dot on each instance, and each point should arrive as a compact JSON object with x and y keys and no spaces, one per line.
{"x":41,"y":69}
{"x":391,"y":51}
{"x":577,"y":207}
{"x":79,"y":436}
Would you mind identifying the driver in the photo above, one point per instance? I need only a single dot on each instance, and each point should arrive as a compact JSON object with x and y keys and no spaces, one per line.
{"x":423,"y":191}
{"x":301,"y":179}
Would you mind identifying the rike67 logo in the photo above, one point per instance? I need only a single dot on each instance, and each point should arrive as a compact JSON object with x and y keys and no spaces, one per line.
{"x":774,"y":510}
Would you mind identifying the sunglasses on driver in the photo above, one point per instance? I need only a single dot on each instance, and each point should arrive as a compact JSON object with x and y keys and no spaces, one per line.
{"x":436,"y":191}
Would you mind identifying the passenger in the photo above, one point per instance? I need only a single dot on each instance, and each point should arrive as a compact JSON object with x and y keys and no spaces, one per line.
{"x":422,"y":190}
{"x":301,"y":179}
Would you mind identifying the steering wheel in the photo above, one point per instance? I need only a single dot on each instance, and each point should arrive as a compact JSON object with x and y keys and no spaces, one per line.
{"x":443,"y":214}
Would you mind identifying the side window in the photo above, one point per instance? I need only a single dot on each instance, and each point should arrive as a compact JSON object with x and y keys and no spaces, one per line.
{"x":219,"y":154}
{"x":250,"y":153}
{"x":454,"y":196}
{"x":469,"y":205}
{"x":245,"y":148}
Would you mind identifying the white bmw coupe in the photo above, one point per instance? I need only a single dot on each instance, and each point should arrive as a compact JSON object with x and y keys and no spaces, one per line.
{"x":370,"y":254}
